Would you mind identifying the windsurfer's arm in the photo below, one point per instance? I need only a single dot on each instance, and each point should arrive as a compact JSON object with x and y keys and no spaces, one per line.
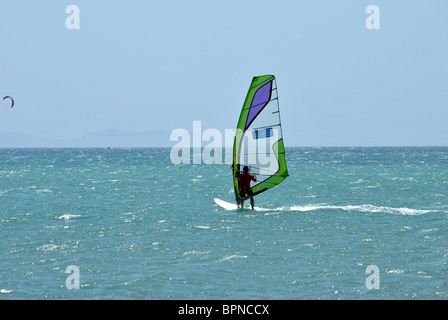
{"x":254,"y":177}
{"x":233,"y":170}
{"x":235,"y":173}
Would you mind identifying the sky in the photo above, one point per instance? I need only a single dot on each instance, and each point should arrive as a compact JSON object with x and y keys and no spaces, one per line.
{"x":160,"y":65}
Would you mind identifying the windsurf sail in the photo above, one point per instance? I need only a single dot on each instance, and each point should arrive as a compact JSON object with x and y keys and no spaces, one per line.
{"x":258,"y":140}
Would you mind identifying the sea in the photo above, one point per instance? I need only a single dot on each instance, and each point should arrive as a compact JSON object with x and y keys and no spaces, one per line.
{"x":127,"y":223}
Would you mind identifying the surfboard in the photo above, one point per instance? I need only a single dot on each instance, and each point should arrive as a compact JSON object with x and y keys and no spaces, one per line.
{"x":226,"y":205}
{"x":231,"y":206}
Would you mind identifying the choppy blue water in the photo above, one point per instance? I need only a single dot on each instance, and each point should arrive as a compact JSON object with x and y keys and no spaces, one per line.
{"x":139,"y":227}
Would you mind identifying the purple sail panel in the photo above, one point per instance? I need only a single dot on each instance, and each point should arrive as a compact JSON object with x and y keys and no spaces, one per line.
{"x":261,"y":99}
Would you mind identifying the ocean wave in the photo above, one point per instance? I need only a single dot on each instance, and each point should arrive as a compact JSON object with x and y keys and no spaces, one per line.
{"x":362,"y":208}
{"x":69,"y":216}
{"x":5,"y":291}
{"x":359,"y":208}
{"x":52,"y":247}
{"x":232,"y":257}
{"x":196,"y":253}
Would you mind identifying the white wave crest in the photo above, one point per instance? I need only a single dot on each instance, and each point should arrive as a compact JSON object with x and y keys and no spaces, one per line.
{"x":69,"y":216}
{"x":231,"y":257}
{"x":361,"y":208}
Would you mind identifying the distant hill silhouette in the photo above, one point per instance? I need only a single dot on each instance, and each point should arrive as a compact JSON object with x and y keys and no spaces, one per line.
{"x":105,"y":138}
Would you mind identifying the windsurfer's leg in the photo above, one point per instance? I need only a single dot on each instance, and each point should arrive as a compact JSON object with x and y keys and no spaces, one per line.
{"x":252,"y":202}
{"x":242,"y":203}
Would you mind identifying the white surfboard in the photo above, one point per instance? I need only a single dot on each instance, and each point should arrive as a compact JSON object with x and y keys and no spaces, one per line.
{"x":226,"y":205}
{"x":231,"y":206}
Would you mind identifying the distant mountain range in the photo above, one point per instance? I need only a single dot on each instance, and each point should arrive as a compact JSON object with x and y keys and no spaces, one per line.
{"x":105,"y":138}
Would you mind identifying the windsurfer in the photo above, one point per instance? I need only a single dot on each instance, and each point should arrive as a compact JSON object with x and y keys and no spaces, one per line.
{"x":244,"y":185}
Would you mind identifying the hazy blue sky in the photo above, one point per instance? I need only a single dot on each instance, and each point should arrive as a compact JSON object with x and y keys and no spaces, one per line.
{"x":143,"y":65}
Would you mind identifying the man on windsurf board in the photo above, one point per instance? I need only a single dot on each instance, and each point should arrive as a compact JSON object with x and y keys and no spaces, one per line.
{"x":244,"y":185}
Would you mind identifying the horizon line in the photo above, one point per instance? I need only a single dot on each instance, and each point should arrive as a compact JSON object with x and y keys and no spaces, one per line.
{"x":192,"y":148}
